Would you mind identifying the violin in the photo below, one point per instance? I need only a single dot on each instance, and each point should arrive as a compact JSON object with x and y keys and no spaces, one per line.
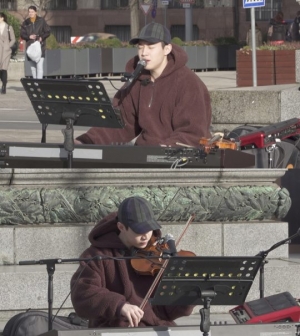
{"x":155,"y":250}
{"x":144,"y":267}
{"x":215,"y":142}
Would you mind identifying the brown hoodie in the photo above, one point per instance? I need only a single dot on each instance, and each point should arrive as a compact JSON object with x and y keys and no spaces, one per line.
{"x":174,"y":108}
{"x":104,"y":286}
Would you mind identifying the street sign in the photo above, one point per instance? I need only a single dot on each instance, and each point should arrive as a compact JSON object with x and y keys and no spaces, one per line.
{"x":146,"y":8}
{"x":165,"y":2}
{"x":186,"y":5}
{"x":253,"y":3}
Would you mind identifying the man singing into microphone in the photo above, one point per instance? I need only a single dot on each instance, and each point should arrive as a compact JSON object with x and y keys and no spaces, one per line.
{"x":165,"y":102}
{"x":109,"y":292}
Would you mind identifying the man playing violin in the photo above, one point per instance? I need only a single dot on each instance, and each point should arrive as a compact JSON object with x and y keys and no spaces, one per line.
{"x":108,"y":291}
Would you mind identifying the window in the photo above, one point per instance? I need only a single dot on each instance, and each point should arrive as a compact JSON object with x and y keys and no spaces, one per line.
{"x":114,"y":4}
{"x":265,"y":13}
{"x":177,"y":4}
{"x":62,"y":33}
{"x":122,"y":32}
{"x":62,"y":4}
{"x":8,"y":4}
{"x":179,"y":31}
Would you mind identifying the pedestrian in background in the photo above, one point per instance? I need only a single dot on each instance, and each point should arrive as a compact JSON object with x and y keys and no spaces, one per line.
{"x":295,"y":28}
{"x":277,"y":29}
{"x":258,"y":37}
{"x":34,"y":29}
{"x":7,"y":40}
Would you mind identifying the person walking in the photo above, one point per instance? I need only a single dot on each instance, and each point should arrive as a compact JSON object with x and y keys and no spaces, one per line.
{"x":34,"y":29}
{"x":258,"y":37}
{"x":295,"y":28}
{"x":7,"y":40}
{"x":277,"y":29}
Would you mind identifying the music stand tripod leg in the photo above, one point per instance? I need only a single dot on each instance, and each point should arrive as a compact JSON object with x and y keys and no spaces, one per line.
{"x":68,"y":133}
{"x":207,"y":296}
{"x":44,"y":128}
{"x":50,"y":270}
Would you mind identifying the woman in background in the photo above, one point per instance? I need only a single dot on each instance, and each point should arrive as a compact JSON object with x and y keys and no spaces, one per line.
{"x":7,"y":40}
{"x":258,"y":37}
{"x":277,"y":29}
{"x":34,"y":29}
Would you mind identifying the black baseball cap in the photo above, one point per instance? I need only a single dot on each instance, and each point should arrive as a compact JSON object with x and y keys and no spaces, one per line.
{"x":153,"y":33}
{"x":136,"y":213}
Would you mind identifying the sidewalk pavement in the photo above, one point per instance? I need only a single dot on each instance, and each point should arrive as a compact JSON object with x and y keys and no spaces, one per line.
{"x":16,"y":100}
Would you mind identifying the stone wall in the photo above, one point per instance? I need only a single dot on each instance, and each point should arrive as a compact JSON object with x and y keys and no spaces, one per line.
{"x":47,"y":214}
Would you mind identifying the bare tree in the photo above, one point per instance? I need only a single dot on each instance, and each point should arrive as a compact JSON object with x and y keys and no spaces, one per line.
{"x":134,"y":17}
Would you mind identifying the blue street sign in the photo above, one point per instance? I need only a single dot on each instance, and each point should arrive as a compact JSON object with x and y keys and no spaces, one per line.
{"x":253,"y":3}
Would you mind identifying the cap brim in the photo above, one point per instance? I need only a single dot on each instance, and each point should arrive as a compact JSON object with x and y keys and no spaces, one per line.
{"x":151,"y":40}
{"x":145,"y":227}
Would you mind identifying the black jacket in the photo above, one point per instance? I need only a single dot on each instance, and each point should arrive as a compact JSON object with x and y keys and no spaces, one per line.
{"x":279,"y":30}
{"x":39,"y":27}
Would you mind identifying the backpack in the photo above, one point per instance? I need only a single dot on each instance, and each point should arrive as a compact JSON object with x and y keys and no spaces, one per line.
{"x":35,"y":322}
{"x":286,"y":152}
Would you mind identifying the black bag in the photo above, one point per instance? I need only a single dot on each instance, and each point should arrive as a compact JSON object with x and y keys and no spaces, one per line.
{"x":14,"y":48}
{"x":35,"y":322}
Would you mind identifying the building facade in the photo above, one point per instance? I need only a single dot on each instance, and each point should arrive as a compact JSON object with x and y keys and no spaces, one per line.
{"x":210,"y":18}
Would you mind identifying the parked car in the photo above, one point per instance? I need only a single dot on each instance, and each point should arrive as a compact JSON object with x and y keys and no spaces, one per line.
{"x":93,"y":37}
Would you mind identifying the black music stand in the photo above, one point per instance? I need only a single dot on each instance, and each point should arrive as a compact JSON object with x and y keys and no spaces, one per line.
{"x":71,"y":102}
{"x":205,"y":281}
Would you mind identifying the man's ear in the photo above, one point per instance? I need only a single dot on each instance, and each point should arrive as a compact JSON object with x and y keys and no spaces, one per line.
{"x":168,"y":49}
{"x":121,"y":226}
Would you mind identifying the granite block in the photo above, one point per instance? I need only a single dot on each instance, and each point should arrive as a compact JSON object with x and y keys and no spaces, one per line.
{"x":44,"y":242}
{"x":248,"y":239}
{"x":6,"y":245}
{"x":298,"y":66}
{"x":198,"y":238}
{"x":24,"y":287}
{"x":290,"y":103}
{"x":245,"y":106}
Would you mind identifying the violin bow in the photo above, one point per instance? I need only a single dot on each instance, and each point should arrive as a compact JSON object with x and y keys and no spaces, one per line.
{"x":163,"y":267}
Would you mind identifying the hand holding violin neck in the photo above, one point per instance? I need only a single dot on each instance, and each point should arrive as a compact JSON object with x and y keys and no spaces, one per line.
{"x":169,"y":240}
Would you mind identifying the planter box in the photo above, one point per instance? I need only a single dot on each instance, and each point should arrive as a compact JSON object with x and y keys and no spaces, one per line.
{"x":95,"y":66}
{"x":285,"y":66}
{"x":192,"y":56}
{"x":113,"y":60}
{"x":212,"y":57}
{"x":227,"y":56}
{"x":120,"y":56}
{"x":67,"y":61}
{"x":265,"y":60}
{"x":81,"y":61}
{"x":96,"y":61}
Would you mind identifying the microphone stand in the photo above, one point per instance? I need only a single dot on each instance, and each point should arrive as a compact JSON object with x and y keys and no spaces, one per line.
{"x":264,"y":254}
{"x":50,"y":265}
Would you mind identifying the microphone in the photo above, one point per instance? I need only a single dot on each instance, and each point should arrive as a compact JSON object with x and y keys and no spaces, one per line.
{"x":169,"y":239}
{"x":137,"y":71}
